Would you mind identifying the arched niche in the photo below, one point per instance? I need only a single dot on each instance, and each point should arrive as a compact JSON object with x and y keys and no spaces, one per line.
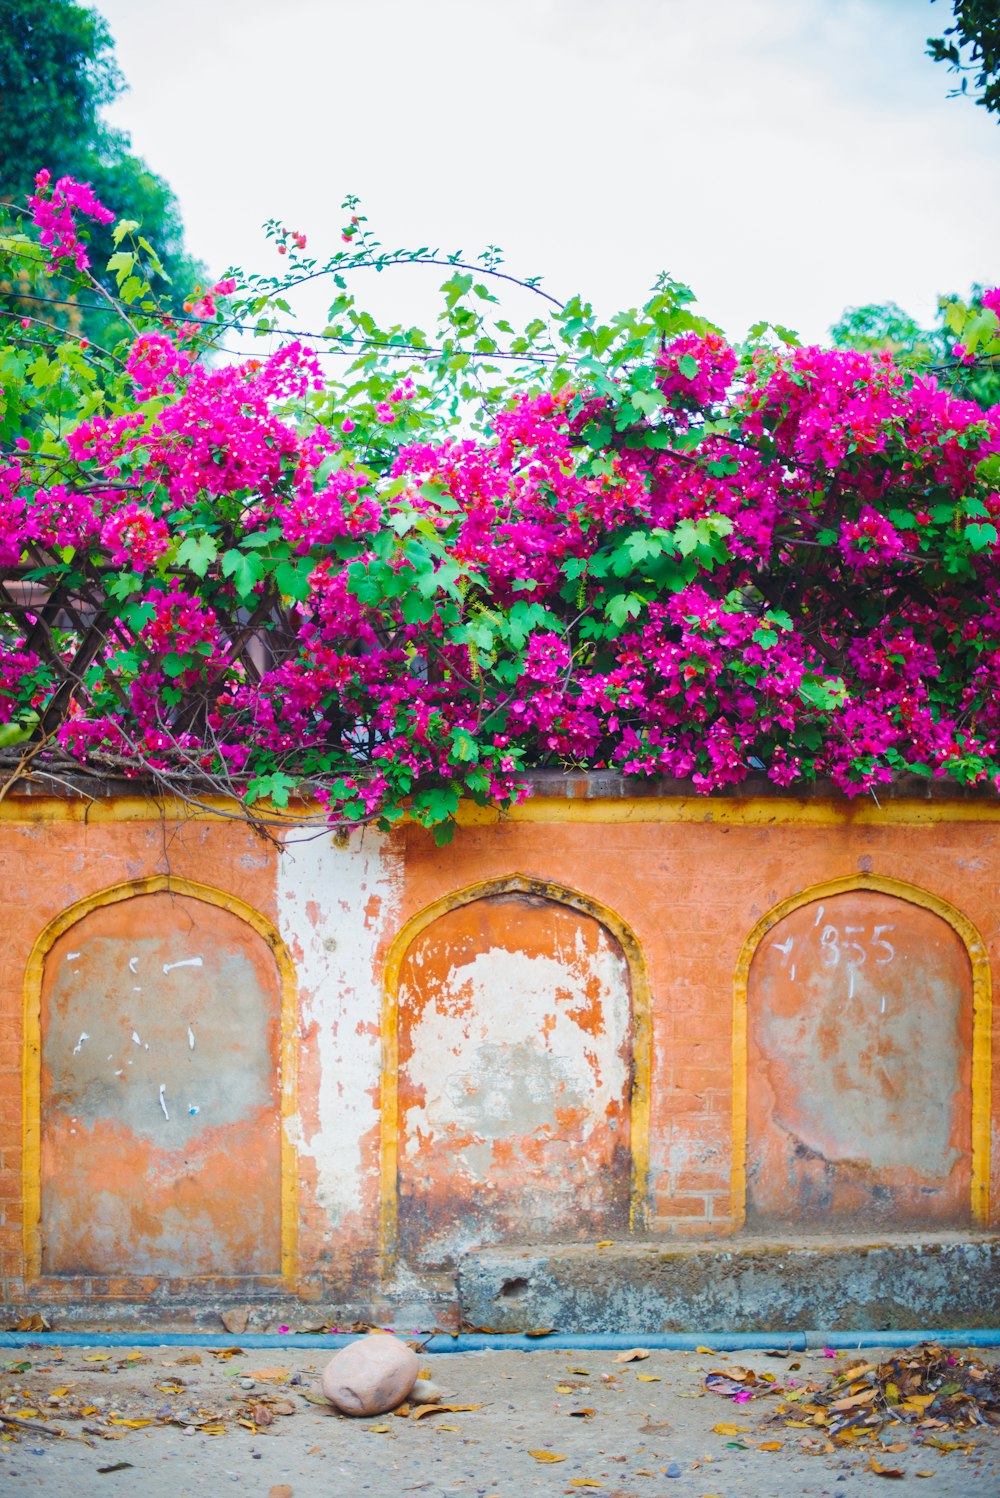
{"x":516,"y":1081}
{"x":862,"y":1063}
{"x":159,"y":1072}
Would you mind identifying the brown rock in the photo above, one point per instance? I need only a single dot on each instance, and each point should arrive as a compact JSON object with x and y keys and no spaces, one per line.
{"x":370,"y":1376}
{"x":235,"y":1321}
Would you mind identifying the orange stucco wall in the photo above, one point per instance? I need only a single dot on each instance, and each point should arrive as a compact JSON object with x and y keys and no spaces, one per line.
{"x":667,"y":891}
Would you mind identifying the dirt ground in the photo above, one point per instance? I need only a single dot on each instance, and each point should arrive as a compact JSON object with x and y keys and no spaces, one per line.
{"x":168,"y":1423}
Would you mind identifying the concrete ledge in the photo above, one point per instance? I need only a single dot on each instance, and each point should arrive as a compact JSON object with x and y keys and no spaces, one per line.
{"x":897,"y":1282}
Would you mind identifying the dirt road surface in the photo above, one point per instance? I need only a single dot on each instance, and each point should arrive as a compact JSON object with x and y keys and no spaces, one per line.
{"x":186,"y":1423}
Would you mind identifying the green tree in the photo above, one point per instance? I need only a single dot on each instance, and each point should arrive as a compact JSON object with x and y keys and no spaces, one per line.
{"x":971,"y":48}
{"x":57,"y":72}
{"x":884,"y":325}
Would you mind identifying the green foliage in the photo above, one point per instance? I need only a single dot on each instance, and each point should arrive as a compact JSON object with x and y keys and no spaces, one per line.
{"x":57,"y":71}
{"x":961,"y":322}
{"x":971,"y":48}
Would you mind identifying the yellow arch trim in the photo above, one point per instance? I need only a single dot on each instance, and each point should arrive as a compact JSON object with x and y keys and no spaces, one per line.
{"x":982,"y":1018}
{"x":641,"y":1041}
{"x":31,"y":1076}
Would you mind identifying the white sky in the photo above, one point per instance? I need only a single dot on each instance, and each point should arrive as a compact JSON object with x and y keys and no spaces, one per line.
{"x":785,"y":157}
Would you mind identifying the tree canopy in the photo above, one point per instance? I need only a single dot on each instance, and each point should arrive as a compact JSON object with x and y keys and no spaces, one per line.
{"x":57,"y":72}
{"x":971,"y":47}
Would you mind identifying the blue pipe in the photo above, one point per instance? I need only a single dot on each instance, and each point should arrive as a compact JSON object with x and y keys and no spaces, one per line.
{"x":513,"y":1342}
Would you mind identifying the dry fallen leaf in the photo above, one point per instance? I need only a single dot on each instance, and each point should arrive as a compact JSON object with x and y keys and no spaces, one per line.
{"x":564,"y":1388}
{"x":606,"y":1243}
{"x":928,"y":1472}
{"x":649,"y":1378}
{"x":885,"y":1471}
{"x":769,"y":1446}
{"x":224,"y":1353}
{"x":190,"y":1357}
{"x":580,"y":1372}
{"x":315,"y":1397}
{"x":32,"y":1323}
{"x":706,"y":1349}
{"x":423,"y":1410}
{"x":269,"y":1375}
{"x":96,"y":1357}
{"x":548,"y":1456}
{"x":379,"y":1430}
{"x":633,"y":1355}
{"x":581,"y":1414}
{"x":725,"y":1429}
{"x":584,"y":1482}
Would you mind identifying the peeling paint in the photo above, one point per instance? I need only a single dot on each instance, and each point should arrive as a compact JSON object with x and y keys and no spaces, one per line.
{"x":335,"y":903}
{"x":515,"y":1047}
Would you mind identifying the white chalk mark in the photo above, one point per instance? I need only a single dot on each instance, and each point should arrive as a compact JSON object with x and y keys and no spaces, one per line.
{"x":168,"y":967}
{"x":79,"y":1045}
{"x":882,"y":1010}
{"x":72,"y":956}
{"x":146,"y":1046}
{"x":879,"y":941}
{"x":120,"y":1073}
{"x":793,"y":972}
{"x":136,"y":1038}
{"x":136,"y":988}
{"x":190,"y":1038}
{"x":133,"y":964}
{"x":111,"y":1055}
{"x":163,"y":1101}
{"x":850,"y":991}
{"x":819,"y":916}
{"x":784,"y":947}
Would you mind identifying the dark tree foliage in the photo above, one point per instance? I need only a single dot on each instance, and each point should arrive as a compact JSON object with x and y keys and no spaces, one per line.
{"x":971,"y":48}
{"x":57,"y":71}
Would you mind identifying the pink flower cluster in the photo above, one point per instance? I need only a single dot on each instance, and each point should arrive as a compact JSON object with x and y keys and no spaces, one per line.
{"x":809,"y":588}
{"x":53,"y":213}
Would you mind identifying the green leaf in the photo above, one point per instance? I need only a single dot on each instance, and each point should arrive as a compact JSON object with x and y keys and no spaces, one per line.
{"x":198,"y":553}
{"x":980,"y":536}
{"x":292,"y":578}
{"x":688,"y":366}
{"x":245,"y":568}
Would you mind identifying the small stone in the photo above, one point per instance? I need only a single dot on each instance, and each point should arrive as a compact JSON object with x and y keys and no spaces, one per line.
{"x":426,"y":1392}
{"x":674,"y":1470}
{"x":246,"y":1383}
{"x":235,"y":1321}
{"x":370,"y":1376}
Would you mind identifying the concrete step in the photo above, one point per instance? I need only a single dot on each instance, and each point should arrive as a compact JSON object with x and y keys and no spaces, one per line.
{"x":746,"y":1283}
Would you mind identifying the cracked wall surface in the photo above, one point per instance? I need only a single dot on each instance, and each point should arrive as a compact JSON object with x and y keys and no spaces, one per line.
{"x":515,"y":1037}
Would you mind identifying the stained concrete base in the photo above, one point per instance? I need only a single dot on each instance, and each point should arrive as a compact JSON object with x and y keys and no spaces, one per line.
{"x":904,"y":1282}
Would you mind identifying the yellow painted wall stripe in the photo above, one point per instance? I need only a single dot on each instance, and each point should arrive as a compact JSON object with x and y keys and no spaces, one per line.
{"x":31,"y":1081}
{"x":982,"y":1026}
{"x":751,"y":811}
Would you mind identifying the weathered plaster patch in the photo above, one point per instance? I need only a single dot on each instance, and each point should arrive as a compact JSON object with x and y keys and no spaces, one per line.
{"x":508,"y":1059}
{"x":334,"y":906}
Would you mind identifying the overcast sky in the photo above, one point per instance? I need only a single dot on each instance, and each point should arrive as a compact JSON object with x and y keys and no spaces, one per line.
{"x":786,"y":158}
